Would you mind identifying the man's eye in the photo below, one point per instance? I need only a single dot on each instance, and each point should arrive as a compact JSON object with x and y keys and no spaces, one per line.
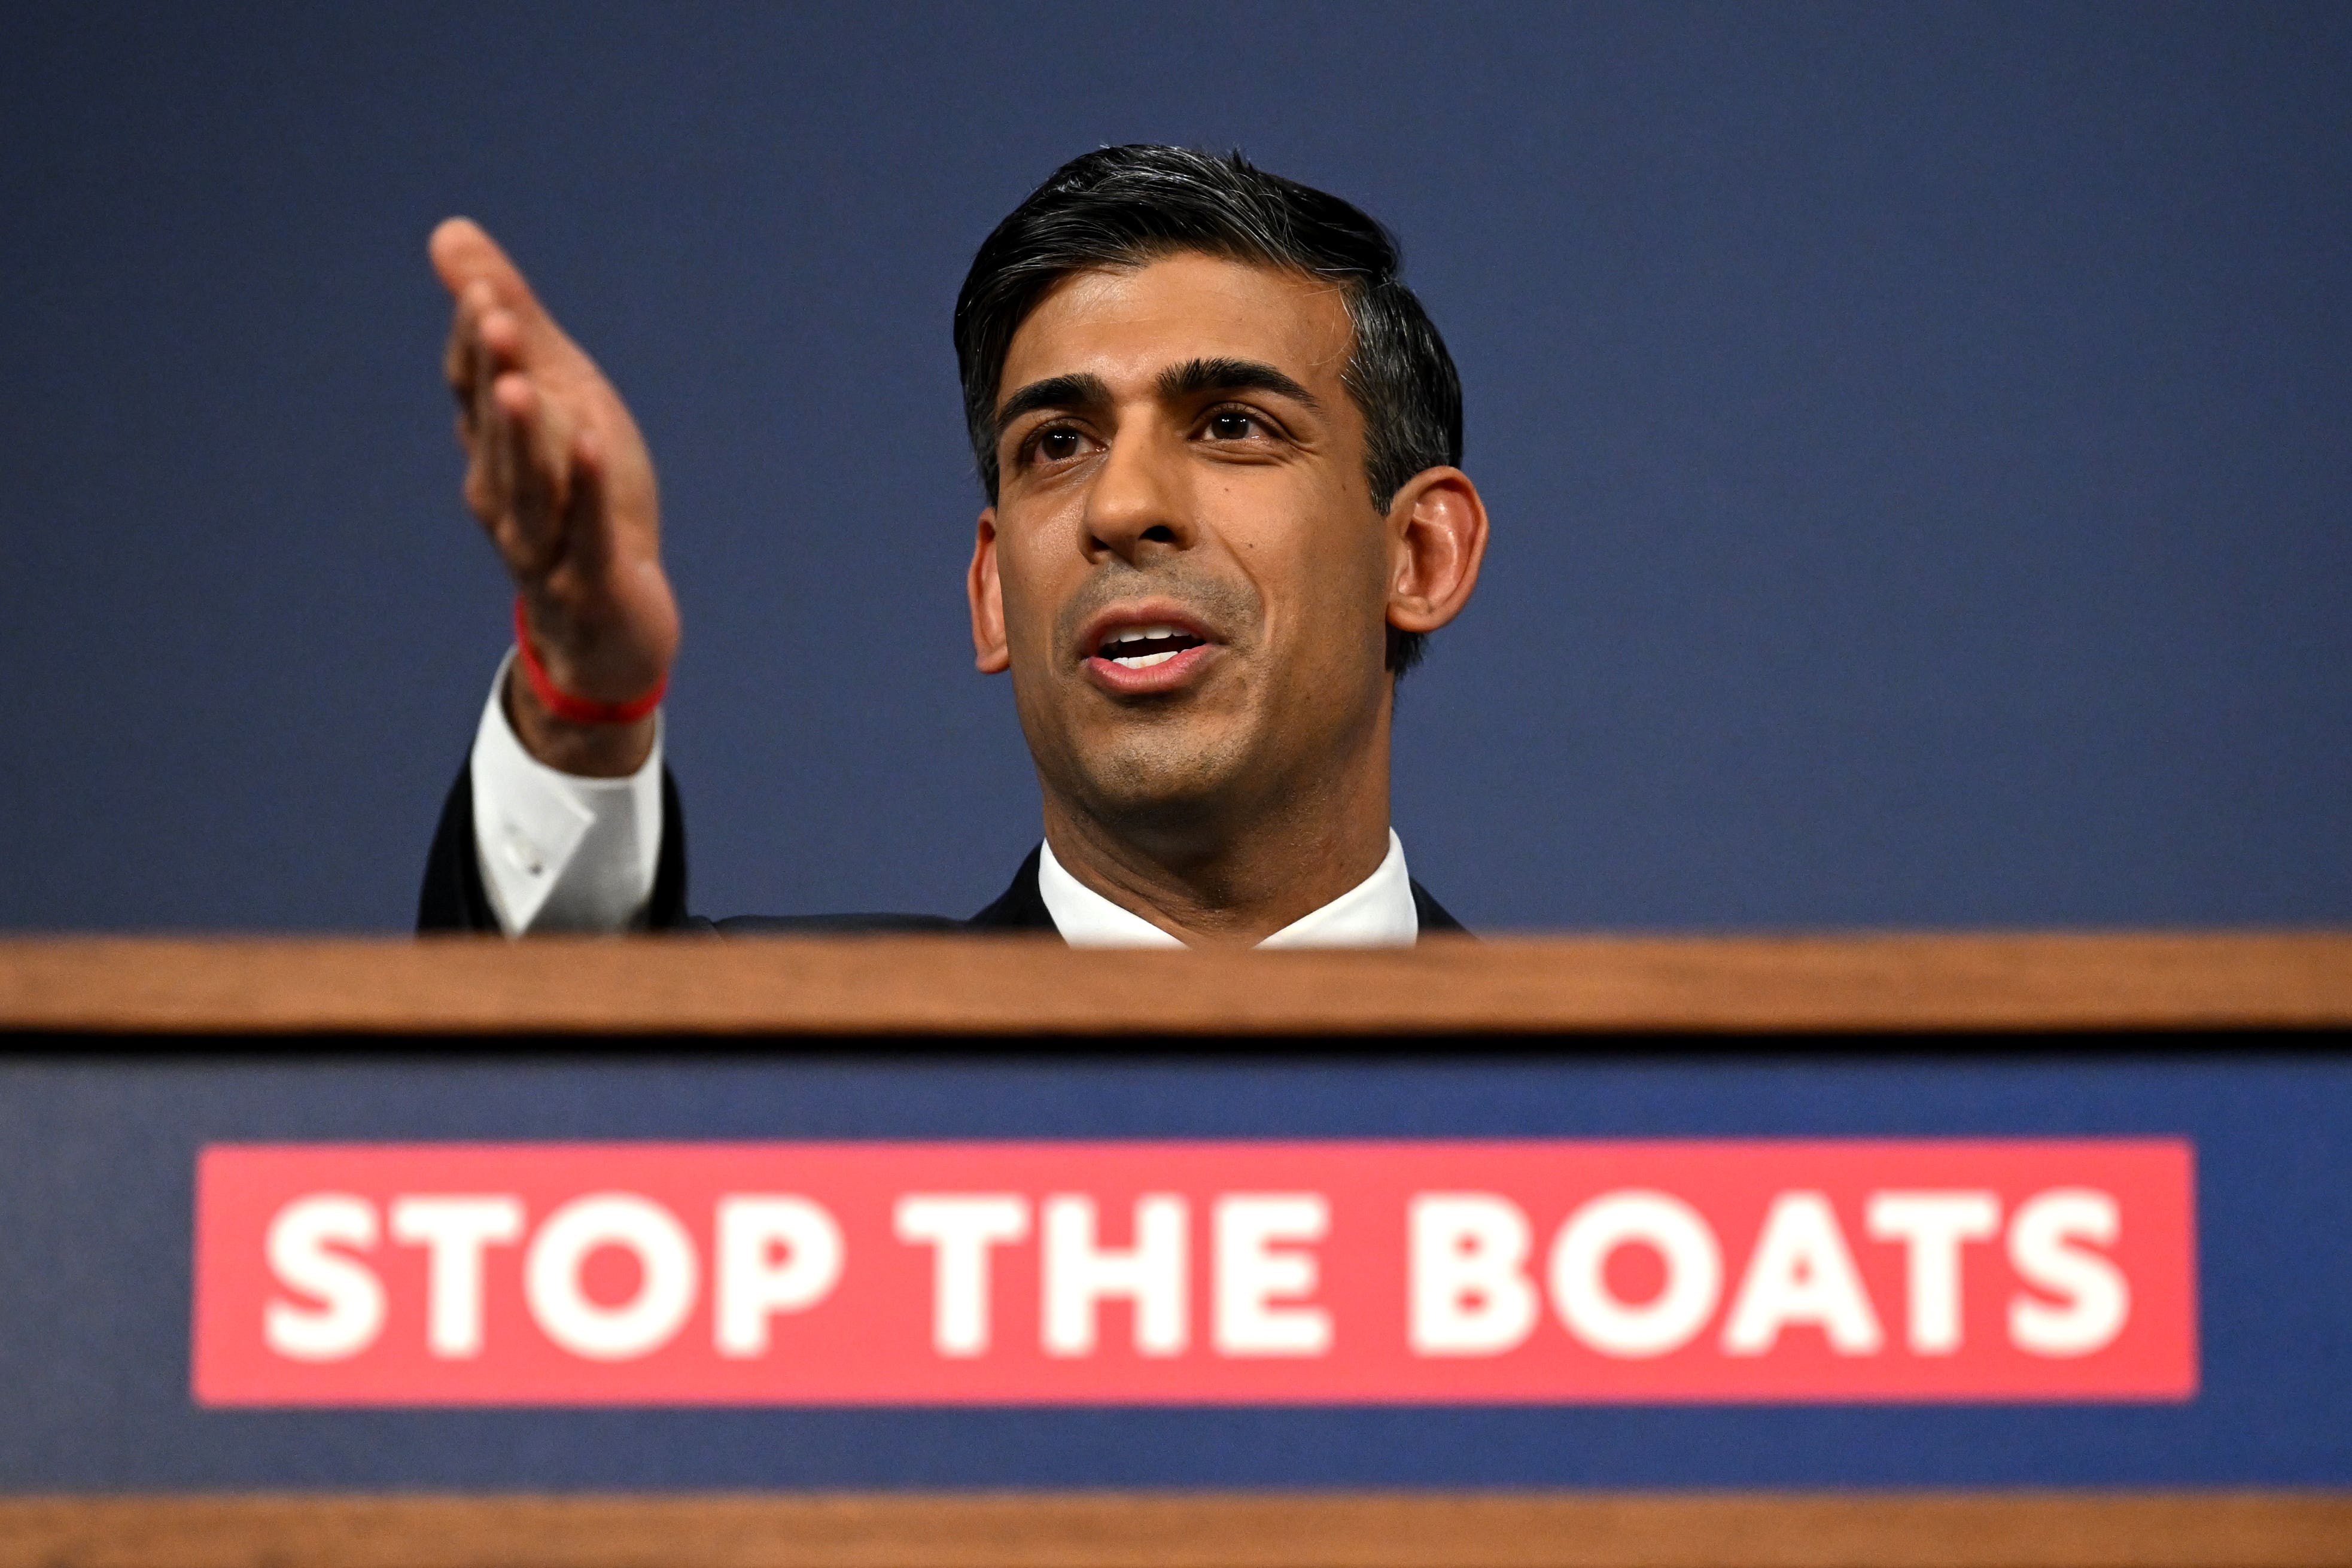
{"x":1057,"y":445}
{"x":1229,"y":425}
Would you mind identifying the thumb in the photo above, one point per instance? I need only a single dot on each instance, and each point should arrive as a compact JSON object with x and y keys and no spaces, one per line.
{"x":588,"y":521}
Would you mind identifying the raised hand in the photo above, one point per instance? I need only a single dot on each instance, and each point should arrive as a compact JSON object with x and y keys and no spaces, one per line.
{"x":562,"y":484}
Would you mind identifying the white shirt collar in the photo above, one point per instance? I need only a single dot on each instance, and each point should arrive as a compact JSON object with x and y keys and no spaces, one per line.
{"x":1377,"y":911}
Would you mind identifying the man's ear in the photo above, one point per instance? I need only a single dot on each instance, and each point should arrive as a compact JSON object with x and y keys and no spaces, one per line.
{"x":987,"y":594}
{"x":1437,"y":537}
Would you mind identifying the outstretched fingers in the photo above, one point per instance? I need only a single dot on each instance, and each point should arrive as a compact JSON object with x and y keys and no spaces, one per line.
{"x":470,"y":363}
{"x":464,"y":253}
{"x":556,"y":474}
{"x":474,"y":269}
{"x":516,"y":435}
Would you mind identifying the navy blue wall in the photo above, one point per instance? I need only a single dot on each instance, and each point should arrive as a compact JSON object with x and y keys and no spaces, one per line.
{"x":1916,"y":437}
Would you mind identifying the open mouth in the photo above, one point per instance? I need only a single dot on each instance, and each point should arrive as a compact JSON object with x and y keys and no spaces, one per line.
{"x":1142,"y":647}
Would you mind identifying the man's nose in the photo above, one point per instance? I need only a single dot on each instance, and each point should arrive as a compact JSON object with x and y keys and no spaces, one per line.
{"x":1139,"y":501}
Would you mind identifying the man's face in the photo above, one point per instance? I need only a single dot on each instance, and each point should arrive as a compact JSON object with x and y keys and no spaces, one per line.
{"x":1183,"y":559}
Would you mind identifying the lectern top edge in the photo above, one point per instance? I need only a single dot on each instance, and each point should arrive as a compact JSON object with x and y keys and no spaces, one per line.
{"x":1012,"y":989}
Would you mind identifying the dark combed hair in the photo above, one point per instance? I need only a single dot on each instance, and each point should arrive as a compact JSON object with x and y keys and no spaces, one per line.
{"x":1122,"y":207}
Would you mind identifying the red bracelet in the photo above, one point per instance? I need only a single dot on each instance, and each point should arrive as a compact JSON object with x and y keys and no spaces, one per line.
{"x":562,"y":704}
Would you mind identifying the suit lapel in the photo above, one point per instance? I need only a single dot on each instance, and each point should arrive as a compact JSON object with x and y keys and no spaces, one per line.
{"x":1432,"y":913}
{"x":1020,"y":908}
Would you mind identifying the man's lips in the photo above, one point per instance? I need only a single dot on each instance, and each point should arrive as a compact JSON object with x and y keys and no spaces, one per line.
{"x":1137,"y":649}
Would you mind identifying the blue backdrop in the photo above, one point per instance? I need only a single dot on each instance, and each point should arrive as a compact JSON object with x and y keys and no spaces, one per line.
{"x":1916,"y":437}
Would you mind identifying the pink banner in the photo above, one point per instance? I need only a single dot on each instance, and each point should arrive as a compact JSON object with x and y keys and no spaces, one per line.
{"x":1230,"y":1273}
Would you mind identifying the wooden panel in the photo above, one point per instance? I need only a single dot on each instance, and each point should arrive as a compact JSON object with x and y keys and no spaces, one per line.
{"x":997,"y":986}
{"x":2244,"y":1530}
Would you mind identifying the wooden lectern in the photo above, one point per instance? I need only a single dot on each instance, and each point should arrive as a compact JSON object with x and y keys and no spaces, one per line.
{"x":194,"y":1022}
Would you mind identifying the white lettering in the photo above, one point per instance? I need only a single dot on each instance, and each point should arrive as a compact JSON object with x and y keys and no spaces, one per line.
{"x":1932,"y":1226}
{"x":1251,"y":1273}
{"x":1079,"y":1275}
{"x":350,"y":1313}
{"x":454,"y":1229}
{"x":1469,"y":1290}
{"x":1801,"y":1272}
{"x":777,"y":1253}
{"x":667,"y":1286}
{"x":2098,"y":1298}
{"x":1684,"y":1243}
{"x":960,"y":1227}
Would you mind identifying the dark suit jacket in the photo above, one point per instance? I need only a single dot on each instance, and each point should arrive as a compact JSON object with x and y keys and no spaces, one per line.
{"x":455,"y":900}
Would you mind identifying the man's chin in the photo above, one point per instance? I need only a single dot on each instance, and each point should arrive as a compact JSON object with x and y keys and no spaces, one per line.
{"x":1165,"y":777}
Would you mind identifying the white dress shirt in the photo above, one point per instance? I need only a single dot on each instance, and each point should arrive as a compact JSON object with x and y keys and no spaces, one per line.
{"x":558,"y":851}
{"x":562,"y":852}
{"x":1377,"y":911}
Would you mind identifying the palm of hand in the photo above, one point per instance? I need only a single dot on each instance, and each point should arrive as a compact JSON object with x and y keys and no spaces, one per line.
{"x":558,"y":477}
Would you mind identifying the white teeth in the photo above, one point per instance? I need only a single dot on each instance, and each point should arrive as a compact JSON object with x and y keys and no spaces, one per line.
{"x":1130,"y":636}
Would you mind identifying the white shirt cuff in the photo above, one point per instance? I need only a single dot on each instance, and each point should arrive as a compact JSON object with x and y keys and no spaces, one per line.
{"x":558,"y":852}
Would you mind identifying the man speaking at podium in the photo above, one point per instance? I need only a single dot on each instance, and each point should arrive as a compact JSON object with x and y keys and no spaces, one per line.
{"x":1219,"y":439}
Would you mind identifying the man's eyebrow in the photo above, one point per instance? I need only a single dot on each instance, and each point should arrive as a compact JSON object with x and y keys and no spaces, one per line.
{"x":1197,"y":376}
{"x":1072,"y":392}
